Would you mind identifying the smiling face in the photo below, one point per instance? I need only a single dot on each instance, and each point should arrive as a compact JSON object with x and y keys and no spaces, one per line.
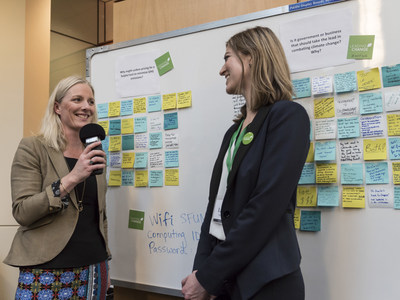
{"x":77,"y":107}
{"x":237,"y":75}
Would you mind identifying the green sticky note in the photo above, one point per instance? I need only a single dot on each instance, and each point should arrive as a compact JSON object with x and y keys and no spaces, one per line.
{"x":164,"y":64}
{"x":360,"y":46}
{"x":136,"y":219}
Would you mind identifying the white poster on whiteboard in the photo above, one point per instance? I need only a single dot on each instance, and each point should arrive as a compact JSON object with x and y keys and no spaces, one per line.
{"x":136,"y":75}
{"x":317,"y":42}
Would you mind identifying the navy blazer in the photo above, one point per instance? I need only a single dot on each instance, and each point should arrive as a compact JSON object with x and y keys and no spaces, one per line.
{"x":258,"y":206}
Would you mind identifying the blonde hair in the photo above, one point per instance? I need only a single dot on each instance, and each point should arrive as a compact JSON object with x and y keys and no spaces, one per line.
{"x":52,"y":129}
{"x":269,"y":71}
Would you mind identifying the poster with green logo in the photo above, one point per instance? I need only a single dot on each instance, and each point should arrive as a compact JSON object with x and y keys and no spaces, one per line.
{"x":360,"y":46}
{"x":136,"y":219}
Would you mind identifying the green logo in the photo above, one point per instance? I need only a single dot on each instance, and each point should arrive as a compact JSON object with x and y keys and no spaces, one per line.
{"x":248,"y":138}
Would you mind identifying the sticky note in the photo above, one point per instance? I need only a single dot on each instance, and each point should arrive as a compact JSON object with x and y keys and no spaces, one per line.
{"x":141,"y":178}
{"x":302,"y":88}
{"x":372,"y":126}
{"x":346,"y":105}
{"x":172,"y":177}
{"x":156,"y":178}
{"x":326,"y":173}
{"x":171,"y":159}
{"x":396,"y":197}
{"x":307,"y":174}
{"x":115,"y":127}
{"x":325,"y":129}
{"x":115,"y":143}
{"x":328,"y":195}
{"x":376,"y":173}
{"x":393,"y":124}
{"x":310,"y":220}
{"x":324,"y":108}
{"x":394,"y":148}
{"x":105,"y":144}
{"x":350,"y":150}
{"x":114,"y":109}
{"x":325,"y":151}
{"x":391,"y":75}
{"x":345,"y":82}
{"x":102,"y":110}
{"x":352,"y":174}
{"x":374,"y":149}
{"x":169,"y":101}
{"x":353,"y":197}
{"x":396,"y":172}
{"x":139,"y":105}
{"x":348,"y":128}
{"x":127,"y":126}
{"x":115,"y":178}
{"x":155,"y":140}
{"x":141,"y":160}
{"x":156,"y":159}
{"x":105,"y":125}
{"x":310,"y":155}
{"x":128,"y":142}
{"x":115,"y":159}
{"x":185,"y":99}
{"x":370,"y":103}
{"x":171,"y":121}
{"x":140,"y":125}
{"x":126,"y":107}
{"x":171,"y":140}
{"x":141,"y":141}
{"x":392,"y":100}
{"x":128,"y":158}
{"x":306,"y":196}
{"x":380,"y":197}
{"x":322,"y":85}
{"x":136,"y":219}
{"x":368,"y":79}
{"x":296,"y":218}
{"x":127,"y":178}
{"x":154,"y":103}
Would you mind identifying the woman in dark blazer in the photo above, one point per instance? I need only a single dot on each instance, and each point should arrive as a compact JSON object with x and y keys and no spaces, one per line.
{"x":61,"y":244}
{"x":248,"y":247}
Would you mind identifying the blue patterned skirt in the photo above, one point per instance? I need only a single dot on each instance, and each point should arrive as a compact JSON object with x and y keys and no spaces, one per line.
{"x":85,"y":283}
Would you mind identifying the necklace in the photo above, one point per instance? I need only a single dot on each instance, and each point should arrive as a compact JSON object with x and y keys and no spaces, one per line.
{"x":80,"y":201}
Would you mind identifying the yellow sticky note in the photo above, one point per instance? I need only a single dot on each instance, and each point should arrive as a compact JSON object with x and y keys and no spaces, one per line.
{"x":353,"y":197}
{"x":375,"y":149}
{"x":105,"y":125}
{"x":396,"y":172}
{"x":128,"y":158}
{"x":185,"y":99}
{"x":127,"y":126}
{"x":306,"y":196}
{"x":139,"y":105}
{"x":114,"y":109}
{"x":115,"y":178}
{"x":296,"y":219}
{"x":115,"y":143}
{"x":393,"y":123}
{"x":141,"y":178}
{"x":326,"y":173}
{"x":310,"y":155}
{"x":169,"y":101}
{"x":171,"y":176}
{"x":324,"y":108}
{"x":368,"y":79}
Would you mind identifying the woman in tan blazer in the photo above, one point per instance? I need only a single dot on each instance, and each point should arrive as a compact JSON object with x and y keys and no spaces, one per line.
{"x":61,"y":244}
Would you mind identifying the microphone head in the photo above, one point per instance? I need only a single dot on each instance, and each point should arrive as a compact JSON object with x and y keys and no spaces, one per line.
{"x":91,"y":130}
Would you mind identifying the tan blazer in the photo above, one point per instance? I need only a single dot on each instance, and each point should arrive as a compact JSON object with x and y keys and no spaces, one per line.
{"x":45,"y":228}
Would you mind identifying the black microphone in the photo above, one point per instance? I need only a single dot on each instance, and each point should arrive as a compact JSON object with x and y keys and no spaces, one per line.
{"x":90,"y":134}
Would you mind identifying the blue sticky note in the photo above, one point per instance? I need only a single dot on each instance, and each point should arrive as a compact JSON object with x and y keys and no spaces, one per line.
{"x":394,"y":148}
{"x":105,"y":144}
{"x":128,"y":142}
{"x":391,"y":75}
{"x":348,"y":128}
{"x":140,"y":160}
{"x":156,"y":178}
{"x":376,"y":173}
{"x":140,"y":125}
{"x":127,"y":178}
{"x":171,"y":121}
{"x":102,"y":110}
{"x":325,"y":151}
{"x":370,"y":103}
{"x":345,"y":82}
{"x":307,"y":174}
{"x":302,"y":88}
{"x":155,"y":140}
{"x":351,"y":173}
{"x":328,"y":195}
{"x":115,"y":127}
{"x":171,"y":159}
{"x":126,"y":107}
{"x":310,"y":220}
{"x":397,"y":197}
{"x":154,"y":103}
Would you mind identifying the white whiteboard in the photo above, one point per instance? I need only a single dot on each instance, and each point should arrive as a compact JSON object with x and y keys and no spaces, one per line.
{"x":354,"y":254}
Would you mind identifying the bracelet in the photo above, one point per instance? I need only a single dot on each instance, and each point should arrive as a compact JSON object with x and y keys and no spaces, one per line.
{"x":63,"y":187}
{"x":55,"y":186}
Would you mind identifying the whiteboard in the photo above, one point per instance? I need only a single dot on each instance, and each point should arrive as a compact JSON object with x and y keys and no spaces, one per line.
{"x":354,"y":254}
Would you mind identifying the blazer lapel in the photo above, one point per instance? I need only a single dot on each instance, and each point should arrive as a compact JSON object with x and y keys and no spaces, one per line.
{"x":253,"y":127}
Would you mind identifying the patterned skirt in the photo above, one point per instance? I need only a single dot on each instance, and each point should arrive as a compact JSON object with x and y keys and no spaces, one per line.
{"x":85,"y":283}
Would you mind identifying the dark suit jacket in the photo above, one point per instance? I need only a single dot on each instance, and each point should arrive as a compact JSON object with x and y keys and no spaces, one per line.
{"x":45,"y":228}
{"x":257,"y":211}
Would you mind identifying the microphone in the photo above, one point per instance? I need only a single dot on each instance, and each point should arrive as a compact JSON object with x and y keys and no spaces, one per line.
{"x":89,"y":134}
